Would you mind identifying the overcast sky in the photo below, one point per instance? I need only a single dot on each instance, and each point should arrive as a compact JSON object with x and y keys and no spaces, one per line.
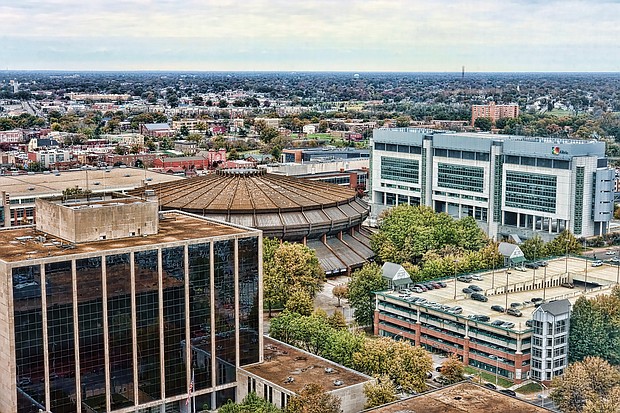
{"x":311,"y":35}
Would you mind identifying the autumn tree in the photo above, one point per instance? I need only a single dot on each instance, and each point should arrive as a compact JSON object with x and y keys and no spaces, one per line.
{"x":313,"y":399}
{"x":589,"y":382}
{"x":363,"y":283}
{"x":289,"y":267}
{"x":300,"y":302}
{"x":340,"y":291}
{"x":380,"y":392}
{"x":337,"y":320}
{"x":405,"y":364}
{"x":452,"y":369}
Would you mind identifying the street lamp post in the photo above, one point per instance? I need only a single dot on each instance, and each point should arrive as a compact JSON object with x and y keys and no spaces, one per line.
{"x":455,"y":265}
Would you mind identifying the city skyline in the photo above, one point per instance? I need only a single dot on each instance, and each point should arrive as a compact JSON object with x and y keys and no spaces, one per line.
{"x":262,"y":35}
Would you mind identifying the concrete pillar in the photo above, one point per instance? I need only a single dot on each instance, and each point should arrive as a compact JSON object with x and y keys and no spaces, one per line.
{"x":375,"y":324}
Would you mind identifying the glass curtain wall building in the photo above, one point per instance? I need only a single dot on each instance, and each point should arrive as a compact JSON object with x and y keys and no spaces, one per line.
{"x":509,"y":184}
{"x":147,"y":324}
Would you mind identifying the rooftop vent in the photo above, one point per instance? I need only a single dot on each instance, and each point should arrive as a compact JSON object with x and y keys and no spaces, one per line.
{"x":289,"y":379}
{"x":329,"y":370}
{"x":338,"y":382}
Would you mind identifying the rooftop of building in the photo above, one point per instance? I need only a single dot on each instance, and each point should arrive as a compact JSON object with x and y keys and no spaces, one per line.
{"x":460,"y":398}
{"x":25,"y":243}
{"x":283,"y":363}
{"x":106,"y":179}
{"x":252,"y":190}
{"x":599,"y":279}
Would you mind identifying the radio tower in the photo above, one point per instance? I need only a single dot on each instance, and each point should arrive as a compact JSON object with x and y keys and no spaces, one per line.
{"x":463,"y":73}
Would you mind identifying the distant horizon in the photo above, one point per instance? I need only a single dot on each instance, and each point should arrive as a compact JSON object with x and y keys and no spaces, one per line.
{"x":299,"y":71}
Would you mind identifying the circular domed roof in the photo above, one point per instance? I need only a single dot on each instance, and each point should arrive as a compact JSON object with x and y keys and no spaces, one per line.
{"x":281,"y":206}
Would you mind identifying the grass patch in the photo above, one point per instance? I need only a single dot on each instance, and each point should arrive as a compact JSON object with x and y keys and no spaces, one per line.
{"x":529,"y":388}
{"x":486,"y":376}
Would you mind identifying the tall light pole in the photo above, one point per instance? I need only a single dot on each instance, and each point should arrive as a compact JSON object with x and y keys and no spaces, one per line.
{"x":544,"y":283}
{"x":617,"y":272}
{"x":455,"y":268}
{"x":566,"y":257}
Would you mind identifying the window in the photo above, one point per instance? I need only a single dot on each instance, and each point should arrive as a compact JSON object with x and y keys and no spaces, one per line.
{"x":535,"y":192}
{"x":396,"y":169}
{"x":560,"y":326}
{"x":468,"y":178}
{"x":537,"y":341}
{"x":379,"y":146}
{"x":560,"y":340}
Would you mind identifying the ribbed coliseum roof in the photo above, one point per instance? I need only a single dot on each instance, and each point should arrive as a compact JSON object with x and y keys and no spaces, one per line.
{"x":236,"y":191}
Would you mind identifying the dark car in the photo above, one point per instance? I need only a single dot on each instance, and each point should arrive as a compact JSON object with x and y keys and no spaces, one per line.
{"x":483,"y":318}
{"x":479,"y":297}
{"x":516,"y":305}
{"x":429,"y":286}
{"x":509,"y":392}
{"x":514,"y":312}
{"x":528,"y":323}
{"x":498,"y":322}
{"x":568,"y":285}
{"x":537,"y":300}
{"x":475,"y":288}
{"x":490,"y":386}
{"x":435,"y":285}
{"x":497,"y":308}
{"x":467,"y":290}
{"x":542,"y":263}
{"x":533,"y":265}
{"x":442,"y":284}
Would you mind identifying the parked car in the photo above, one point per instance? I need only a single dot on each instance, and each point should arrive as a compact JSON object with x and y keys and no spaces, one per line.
{"x":508,"y":324}
{"x":597,"y":263}
{"x":442,"y":284}
{"x":497,"y":308}
{"x":523,"y":269}
{"x":440,"y":380}
{"x":475,"y":288}
{"x":568,"y":285}
{"x":542,"y":263}
{"x":509,"y":392}
{"x":456,"y":310}
{"x":421,"y":287}
{"x":533,"y":265}
{"x":464,"y":278}
{"x":479,"y":297}
{"x":479,"y":317}
{"x":498,"y":322}
{"x":537,"y":300}
{"x":467,"y":290}
{"x":417,"y":290}
{"x":435,"y":285}
{"x":528,"y":323}
{"x":429,"y":286}
{"x":614,"y":260}
{"x":514,"y":312}
{"x":516,"y":305}
{"x":476,"y":277}
{"x":490,"y":386}
{"x":610,"y":252}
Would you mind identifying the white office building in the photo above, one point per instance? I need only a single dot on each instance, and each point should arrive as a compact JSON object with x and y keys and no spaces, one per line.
{"x":550,"y":326}
{"x":512,"y":185}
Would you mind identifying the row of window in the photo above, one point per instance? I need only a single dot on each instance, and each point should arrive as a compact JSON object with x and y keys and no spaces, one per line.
{"x":538,"y":162}
{"x":536,"y":192}
{"x":397,"y":169}
{"x":390,"y":147}
{"x":455,"y":154}
{"x":467,"y":178}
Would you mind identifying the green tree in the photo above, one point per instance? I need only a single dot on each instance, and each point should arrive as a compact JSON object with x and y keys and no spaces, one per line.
{"x":484,"y":124}
{"x":452,"y":369}
{"x":337,"y":320}
{"x":533,"y":248}
{"x":380,"y":392}
{"x":342,"y":345}
{"x":363,"y":283}
{"x":564,"y":243}
{"x":403,"y":121}
{"x":591,"y":380}
{"x":251,"y":404}
{"x":35,"y":166}
{"x":268,"y":134}
{"x":313,"y":399}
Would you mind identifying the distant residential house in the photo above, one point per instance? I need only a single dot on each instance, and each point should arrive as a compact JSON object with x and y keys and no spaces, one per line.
{"x":310,"y":128}
{"x":512,"y":254}
{"x":12,"y":136}
{"x":397,"y":277}
{"x":48,"y":158}
{"x":156,"y":130}
{"x":185,"y":163}
{"x":185,"y":146}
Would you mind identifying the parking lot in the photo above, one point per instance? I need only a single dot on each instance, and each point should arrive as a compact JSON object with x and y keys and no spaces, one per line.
{"x":503,"y":287}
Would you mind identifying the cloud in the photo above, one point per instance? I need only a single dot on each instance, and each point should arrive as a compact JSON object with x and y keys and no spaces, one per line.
{"x":320,"y":34}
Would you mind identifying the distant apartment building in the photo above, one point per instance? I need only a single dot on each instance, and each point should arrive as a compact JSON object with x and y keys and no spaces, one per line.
{"x":98,"y":97}
{"x":511,"y":185}
{"x":48,"y":158}
{"x":156,"y":130}
{"x":269,"y":122}
{"x":493,"y":111}
{"x":323,"y":154}
{"x":12,"y":136}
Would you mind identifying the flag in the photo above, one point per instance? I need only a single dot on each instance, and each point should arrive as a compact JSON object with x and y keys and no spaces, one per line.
{"x":190,"y":389}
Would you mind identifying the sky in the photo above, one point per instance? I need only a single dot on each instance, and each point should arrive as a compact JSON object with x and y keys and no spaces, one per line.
{"x":311,"y":35}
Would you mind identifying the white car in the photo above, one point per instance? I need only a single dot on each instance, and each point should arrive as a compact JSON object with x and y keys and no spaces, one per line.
{"x":610,"y":252}
{"x":476,"y":277}
{"x":597,"y":263}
